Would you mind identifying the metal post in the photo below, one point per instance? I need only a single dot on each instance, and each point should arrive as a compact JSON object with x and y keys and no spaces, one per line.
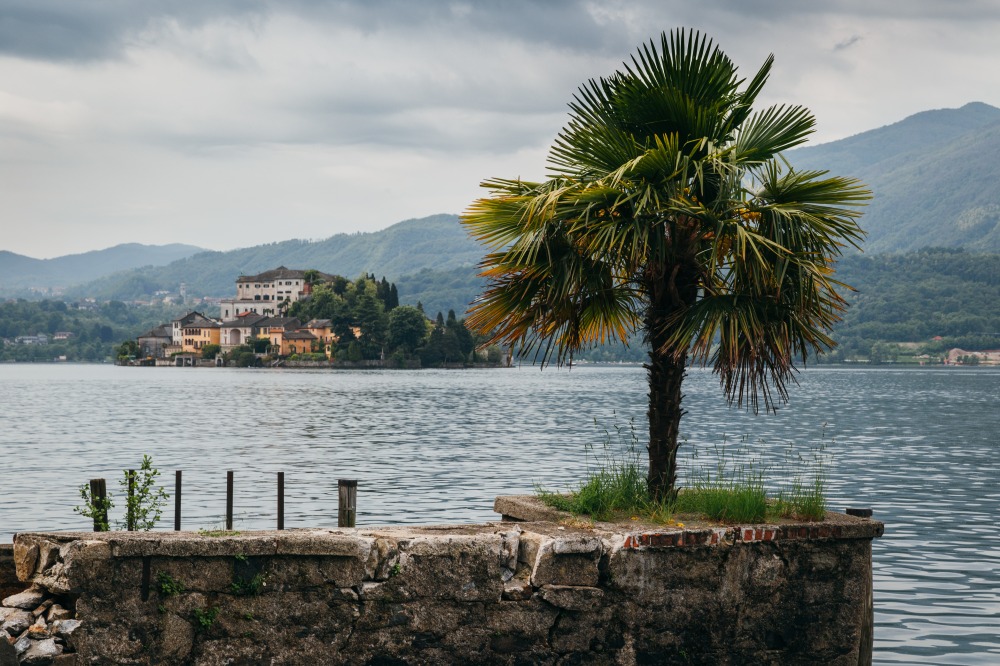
{"x":177,"y":501}
{"x":229,"y":500}
{"x":130,"y":504}
{"x":281,"y":500}
{"x":98,"y":499}
{"x":347,"y":491}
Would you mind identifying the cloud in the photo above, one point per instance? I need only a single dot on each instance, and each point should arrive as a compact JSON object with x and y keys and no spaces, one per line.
{"x":186,"y":120}
{"x":847,"y":43}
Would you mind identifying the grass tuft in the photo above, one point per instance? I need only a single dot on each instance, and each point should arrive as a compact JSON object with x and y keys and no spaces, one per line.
{"x":730,"y":490}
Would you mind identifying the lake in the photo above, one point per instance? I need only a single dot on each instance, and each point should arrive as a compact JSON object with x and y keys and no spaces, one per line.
{"x":919,"y":446}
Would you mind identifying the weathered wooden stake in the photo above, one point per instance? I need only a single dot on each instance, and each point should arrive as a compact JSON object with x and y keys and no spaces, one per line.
{"x":130,"y":504}
{"x":347,"y":513}
{"x":229,"y":500}
{"x":98,"y":497}
{"x":177,"y":501}
{"x":281,"y":500}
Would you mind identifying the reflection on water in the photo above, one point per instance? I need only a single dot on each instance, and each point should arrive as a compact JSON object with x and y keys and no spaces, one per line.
{"x":918,"y":446}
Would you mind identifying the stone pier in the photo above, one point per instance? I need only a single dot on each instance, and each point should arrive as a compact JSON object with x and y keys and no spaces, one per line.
{"x":539,"y":587}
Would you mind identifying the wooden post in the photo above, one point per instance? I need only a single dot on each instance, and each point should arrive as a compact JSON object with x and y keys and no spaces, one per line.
{"x":98,"y":497}
{"x":281,"y":500}
{"x":347,"y":491}
{"x":177,"y":501}
{"x":229,"y":500}
{"x":130,"y":503}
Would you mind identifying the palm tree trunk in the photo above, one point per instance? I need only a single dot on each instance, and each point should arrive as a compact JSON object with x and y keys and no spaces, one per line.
{"x":670,"y":289}
{"x":665,"y":377}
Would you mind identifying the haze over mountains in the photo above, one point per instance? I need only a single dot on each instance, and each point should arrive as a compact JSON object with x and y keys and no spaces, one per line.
{"x":934,"y":177}
{"x":18,"y":271}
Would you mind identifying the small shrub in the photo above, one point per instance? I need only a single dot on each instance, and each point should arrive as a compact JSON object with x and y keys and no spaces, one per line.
{"x":144,"y":507}
{"x":95,"y":508}
{"x":167,"y":585}
{"x":248,"y":587}
{"x":204,"y":618}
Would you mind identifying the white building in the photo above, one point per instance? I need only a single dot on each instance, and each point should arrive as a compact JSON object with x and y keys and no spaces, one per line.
{"x":267,"y":293}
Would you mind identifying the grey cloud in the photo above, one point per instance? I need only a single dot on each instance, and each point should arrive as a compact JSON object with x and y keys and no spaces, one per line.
{"x":847,"y":43}
{"x":68,"y":30}
{"x":71,"y":30}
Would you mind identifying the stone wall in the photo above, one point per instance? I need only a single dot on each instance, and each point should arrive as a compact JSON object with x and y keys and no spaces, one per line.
{"x":544,"y":591}
{"x":9,"y":584}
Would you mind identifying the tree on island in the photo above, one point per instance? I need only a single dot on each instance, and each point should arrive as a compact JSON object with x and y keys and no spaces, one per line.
{"x":668,"y":210}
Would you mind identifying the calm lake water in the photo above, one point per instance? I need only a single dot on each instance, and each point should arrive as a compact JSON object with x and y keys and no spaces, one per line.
{"x":919,"y":446}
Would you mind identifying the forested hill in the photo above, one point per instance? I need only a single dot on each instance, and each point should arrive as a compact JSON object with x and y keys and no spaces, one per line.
{"x":917,"y":296}
{"x":911,"y":297}
{"x":407,"y":247}
{"x":934,"y":178}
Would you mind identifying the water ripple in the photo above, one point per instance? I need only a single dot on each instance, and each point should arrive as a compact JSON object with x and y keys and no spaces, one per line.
{"x":919,"y":446}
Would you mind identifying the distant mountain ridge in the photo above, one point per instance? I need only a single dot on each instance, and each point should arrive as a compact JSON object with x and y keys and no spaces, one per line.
{"x":933,"y":174}
{"x":437,"y":242}
{"x":934,"y":178}
{"x":20,"y":272}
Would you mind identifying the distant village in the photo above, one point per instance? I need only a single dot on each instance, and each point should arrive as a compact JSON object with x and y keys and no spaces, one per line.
{"x":256,"y":313}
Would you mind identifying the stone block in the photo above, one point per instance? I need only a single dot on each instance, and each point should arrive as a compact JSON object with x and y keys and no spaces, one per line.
{"x":572,"y":597}
{"x":28,"y":600}
{"x":25,"y":558}
{"x":562,"y":560}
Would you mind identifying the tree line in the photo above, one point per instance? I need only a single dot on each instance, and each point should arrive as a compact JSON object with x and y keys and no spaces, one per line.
{"x":370,"y":324}
{"x":95,"y":329}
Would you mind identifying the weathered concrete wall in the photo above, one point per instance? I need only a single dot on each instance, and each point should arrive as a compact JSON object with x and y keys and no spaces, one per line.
{"x":504,"y":593}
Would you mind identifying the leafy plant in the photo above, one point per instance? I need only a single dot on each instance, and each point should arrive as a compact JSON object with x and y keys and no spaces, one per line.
{"x":94,"y":507}
{"x":144,"y":504}
{"x":167,"y":585}
{"x":247,"y":587}
{"x":204,"y":618}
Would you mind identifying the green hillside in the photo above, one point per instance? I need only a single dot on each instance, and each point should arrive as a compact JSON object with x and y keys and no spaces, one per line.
{"x":911,"y":297}
{"x":917,"y":296}
{"x":934,"y":178}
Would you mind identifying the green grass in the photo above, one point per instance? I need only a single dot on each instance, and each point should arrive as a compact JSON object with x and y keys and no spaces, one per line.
{"x":615,"y":484}
{"x":732,"y":489}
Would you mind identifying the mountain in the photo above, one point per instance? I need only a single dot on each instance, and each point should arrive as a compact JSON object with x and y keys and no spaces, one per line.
{"x":437,"y":242}
{"x":934,"y":178}
{"x":19,"y":273}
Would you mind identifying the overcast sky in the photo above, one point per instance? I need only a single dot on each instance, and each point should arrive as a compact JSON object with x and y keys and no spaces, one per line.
{"x":229,"y":123}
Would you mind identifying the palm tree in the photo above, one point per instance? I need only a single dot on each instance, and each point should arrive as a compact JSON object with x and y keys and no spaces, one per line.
{"x":669,"y":210}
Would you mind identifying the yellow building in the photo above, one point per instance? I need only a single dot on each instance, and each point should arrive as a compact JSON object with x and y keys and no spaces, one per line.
{"x":297,"y":342}
{"x":198,"y":332}
{"x":322,"y":330}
